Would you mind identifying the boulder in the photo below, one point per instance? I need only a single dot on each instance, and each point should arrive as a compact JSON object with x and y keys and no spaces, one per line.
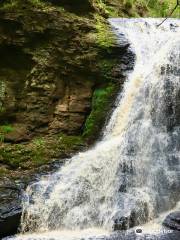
{"x":10,"y":207}
{"x":172,"y":221}
{"x":10,"y":221}
{"x":136,"y":216}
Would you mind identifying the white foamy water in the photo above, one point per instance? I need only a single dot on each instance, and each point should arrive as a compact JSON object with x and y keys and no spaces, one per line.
{"x":88,"y":234}
{"x":132,"y":174}
{"x":155,"y":226}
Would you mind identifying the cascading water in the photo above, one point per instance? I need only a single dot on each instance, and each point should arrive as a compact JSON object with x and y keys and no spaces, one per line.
{"x":132,"y":174}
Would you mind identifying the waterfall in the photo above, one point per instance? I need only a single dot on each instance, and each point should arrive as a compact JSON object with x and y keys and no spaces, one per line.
{"x":132,"y":174}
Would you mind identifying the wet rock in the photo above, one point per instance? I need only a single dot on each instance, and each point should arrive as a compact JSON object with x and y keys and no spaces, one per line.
{"x":175,"y":235}
{"x":10,"y":221}
{"x":172,"y":221}
{"x":10,"y":207}
{"x":135,"y":217}
{"x":132,"y":235}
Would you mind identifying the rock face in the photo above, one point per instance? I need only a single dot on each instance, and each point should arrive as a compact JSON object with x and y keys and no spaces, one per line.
{"x":55,"y":57}
{"x":172,"y":221}
{"x":51,"y":66}
{"x":36,"y":87}
{"x":10,"y":207}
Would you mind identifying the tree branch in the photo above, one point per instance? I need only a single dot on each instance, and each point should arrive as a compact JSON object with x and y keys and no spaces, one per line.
{"x":178,"y":3}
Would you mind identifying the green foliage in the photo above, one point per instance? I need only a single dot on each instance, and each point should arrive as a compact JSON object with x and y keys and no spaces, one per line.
{"x":105,"y":36}
{"x":150,"y":8}
{"x":162,"y":8}
{"x":9,"y":4}
{"x":137,"y":8}
{"x":4,"y":129}
{"x":102,"y":99}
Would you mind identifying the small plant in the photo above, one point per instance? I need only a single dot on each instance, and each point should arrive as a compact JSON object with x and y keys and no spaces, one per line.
{"x":4,"y":129}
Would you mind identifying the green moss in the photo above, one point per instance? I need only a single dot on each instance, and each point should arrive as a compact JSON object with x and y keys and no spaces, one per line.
{"x":39,"y":151}
{"x":106,"y":68}
{"x":105,"y":36}
{"x":6,"y":154}
{"x":102,"y":99}
{"x":70,"y":142}
{"x":19,"y":155}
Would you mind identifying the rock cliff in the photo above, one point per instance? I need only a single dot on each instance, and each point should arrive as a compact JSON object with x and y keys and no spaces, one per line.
{"x":59,"y":71}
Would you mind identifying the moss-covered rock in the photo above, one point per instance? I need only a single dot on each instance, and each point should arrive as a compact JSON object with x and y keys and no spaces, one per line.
{"x":37,"y":152}
{"x":101,"y":104}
